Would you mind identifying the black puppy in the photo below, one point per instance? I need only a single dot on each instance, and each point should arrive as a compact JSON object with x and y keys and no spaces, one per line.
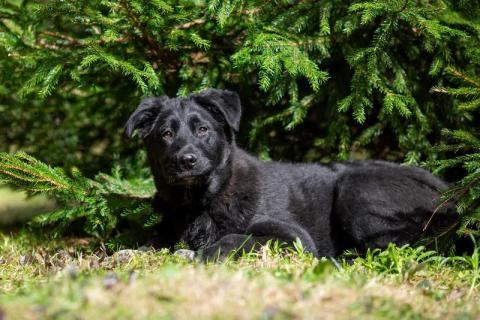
{"x":216,"y":197}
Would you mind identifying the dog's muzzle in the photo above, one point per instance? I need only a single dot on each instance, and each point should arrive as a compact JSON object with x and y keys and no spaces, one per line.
{"x":187,"y":161}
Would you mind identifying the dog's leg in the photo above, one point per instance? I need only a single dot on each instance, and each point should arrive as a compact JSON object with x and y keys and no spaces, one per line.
{"x":262,"y":225}
{"x":260,"y":231}
{"x":232,"y":244}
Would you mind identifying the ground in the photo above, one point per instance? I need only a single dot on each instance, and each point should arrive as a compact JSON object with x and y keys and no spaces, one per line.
{"x":78,"y":278}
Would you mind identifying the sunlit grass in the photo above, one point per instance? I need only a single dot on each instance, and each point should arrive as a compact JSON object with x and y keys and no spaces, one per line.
{"x":79,"y":278}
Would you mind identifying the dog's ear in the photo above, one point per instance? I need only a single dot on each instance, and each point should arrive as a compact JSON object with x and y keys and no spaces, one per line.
{"x":142,"y":119}
{"x":225,"y":102}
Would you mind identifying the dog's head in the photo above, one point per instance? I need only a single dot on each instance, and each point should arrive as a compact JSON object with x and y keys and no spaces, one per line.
{"x":187,"y":138}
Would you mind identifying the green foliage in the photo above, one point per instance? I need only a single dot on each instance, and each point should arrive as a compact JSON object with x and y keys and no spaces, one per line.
{"x":336,"y":78}
{"x":466,"y":192}
{"x":71,"y":277}
{"x":464,"y":147}
{"x":399,"y":261}
{"x":472,"y":262}
{"x":319,"y":80}
{"x":98,"y":205}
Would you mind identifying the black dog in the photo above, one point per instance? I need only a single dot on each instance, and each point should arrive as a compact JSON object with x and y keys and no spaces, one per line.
{"x":216,"y":197}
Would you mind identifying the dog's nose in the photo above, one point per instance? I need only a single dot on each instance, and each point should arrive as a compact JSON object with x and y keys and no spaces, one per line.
{"x":187,"y":161}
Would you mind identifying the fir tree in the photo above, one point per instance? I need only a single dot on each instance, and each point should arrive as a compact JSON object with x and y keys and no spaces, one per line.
{"x":319,"y":80}
{"x":465,"y":147}
{"x":98,"y":206}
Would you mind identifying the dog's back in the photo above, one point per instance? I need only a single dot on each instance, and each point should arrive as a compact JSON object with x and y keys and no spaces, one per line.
{"x":352,"y":204}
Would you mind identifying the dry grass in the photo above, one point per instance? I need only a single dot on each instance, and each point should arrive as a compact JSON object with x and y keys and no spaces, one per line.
{"x":76,"y":280}
{"x":42,"y":278}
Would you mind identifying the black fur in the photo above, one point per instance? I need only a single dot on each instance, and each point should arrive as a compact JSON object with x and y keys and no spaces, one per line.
{"x":216,"y":197}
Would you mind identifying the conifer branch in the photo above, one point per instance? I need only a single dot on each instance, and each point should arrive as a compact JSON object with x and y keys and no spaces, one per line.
{"x":362,"y":76}
{"x":101,"y":202}
{"x":70,"y":39}
{"x":404,"y":6}
{"x":464,"y":77}
{"x":190,"y":24}
{"x":156,"y":50}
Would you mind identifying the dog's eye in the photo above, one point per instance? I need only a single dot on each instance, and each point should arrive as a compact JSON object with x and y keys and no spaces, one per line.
{"x":202,"y":130}
{"x":167,"y":134}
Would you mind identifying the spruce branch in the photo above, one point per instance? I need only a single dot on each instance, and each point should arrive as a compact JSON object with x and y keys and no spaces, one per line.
{"x":26,"y":172}
{"x":338,"y":78}
{"x":466,"y":78}
{"x":73,"y":42}
{"x":101,"y":202}
{"x":188,"y":25}
{"x":156,"y":50}
{"x":70,"y":39}
{"x":465,"y":192}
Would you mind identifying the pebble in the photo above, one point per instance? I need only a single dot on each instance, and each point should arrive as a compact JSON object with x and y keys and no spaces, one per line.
{"x":25,"y":259}
{"x":270,"y":312}
{"x":61,"y":258}
{"x":186,"y":254}
{"x":124,"y":256}
{"x":110,"y":280}
{"x":71,"y":271}
{"x":93,"y":263}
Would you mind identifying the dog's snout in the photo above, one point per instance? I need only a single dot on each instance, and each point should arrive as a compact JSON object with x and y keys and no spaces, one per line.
{"x":187,"y":161}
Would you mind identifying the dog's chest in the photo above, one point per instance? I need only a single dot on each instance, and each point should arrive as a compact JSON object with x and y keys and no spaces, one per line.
{"x":223,"y":216}
{"x":200,"y":233}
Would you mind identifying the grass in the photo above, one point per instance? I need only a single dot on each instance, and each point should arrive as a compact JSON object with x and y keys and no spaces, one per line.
{"x":77,"y":279}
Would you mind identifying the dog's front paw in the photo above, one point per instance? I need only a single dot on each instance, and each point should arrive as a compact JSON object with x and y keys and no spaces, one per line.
{"x":213,"y":254}
{"x":186,"y":254}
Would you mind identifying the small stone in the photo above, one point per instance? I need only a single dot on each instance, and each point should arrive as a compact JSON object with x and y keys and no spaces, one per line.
{"x":25,"y":259}
{"x":124,"y":256}
{"x":71,"y":271}
{"x":2,"y":260}
{"x":93,"y":264}
{"x":270,"y":312}
{"x":38,"y":308}
{"x":61,"y":258}
{"x":110,"y":280}
{"x":455,"y":295}
{"x":186,"y":254}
